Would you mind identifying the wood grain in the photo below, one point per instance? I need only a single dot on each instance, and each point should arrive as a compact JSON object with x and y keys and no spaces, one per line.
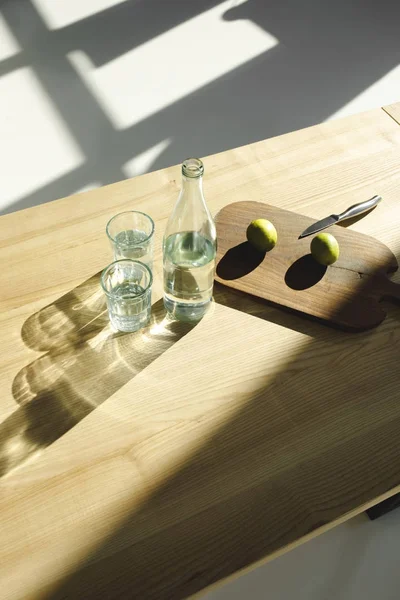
{"x":155,"y":464}
{"x":348,"y":293}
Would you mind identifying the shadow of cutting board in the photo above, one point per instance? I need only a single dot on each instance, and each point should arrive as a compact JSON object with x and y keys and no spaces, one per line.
{"x":347,"y":293}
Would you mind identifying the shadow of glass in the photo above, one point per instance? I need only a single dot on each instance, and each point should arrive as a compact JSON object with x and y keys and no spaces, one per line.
{"x":86,"y":362}
{"x":74,"y":318}
{"x":304,"y":273}
{"x":239,"y":261}
{"x":38,"y":423}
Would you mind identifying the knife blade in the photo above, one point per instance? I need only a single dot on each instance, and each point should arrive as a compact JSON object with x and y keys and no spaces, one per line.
{"x":352,"y":211}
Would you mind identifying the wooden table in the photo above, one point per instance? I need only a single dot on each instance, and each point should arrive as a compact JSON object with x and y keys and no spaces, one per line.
{"x":155,"y":464}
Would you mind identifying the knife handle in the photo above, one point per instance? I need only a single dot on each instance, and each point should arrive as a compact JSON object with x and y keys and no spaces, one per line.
{"x":360,"y":208}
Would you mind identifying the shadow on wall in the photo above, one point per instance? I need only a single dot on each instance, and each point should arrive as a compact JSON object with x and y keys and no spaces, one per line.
{"x":310,"y":74}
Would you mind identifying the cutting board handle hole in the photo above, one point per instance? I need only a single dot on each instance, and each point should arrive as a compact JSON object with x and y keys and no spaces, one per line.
{"x":239,"y":261}
{"x":304,"y":273}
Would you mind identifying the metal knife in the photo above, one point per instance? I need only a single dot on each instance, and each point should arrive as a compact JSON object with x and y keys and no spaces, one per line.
{"x":352,"y":211}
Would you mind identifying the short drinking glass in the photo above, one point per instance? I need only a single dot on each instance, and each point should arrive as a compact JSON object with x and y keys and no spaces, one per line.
{"x":131,"y":236}
{"x":127,"y":285}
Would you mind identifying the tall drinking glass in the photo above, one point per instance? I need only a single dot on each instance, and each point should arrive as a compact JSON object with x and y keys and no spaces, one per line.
{"x":131,"y":236}
{"x":127,"y":286}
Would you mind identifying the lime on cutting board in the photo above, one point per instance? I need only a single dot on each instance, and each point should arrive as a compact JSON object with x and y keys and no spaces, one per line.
{"x":325,"y":248}
{"x":262,"y":234}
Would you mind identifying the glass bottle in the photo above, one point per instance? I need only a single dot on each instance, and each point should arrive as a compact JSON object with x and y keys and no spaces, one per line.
{"x":189,"y":249}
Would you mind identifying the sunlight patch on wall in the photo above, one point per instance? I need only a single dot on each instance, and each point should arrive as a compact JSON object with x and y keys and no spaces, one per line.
{"x":86,"y":188}
{"x":37,"y":147}
{"x":143,"y":162}
{"x":173,"y":65}
{"x":384,"y":91}
{"x":60,"y":13}
{"x":8,"y":44}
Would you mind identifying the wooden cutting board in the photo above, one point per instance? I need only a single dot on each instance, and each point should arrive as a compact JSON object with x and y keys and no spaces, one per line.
{"x":347,"y":293}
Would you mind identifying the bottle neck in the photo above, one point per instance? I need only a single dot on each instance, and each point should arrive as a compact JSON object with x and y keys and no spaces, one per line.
{"x":192,"y":188}
{"x":191,"y":212}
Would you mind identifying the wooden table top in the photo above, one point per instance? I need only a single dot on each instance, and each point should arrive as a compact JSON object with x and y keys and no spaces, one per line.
{"x":155,"y":464}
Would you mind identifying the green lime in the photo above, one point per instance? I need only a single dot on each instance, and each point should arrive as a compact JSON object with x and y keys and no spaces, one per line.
{"x":262,"y":235}
{"x":325,"y":248}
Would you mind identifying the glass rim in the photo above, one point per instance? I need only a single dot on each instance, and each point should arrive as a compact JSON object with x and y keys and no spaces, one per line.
{"x":130,"y":212}
{"x":193,"y":168}
{"x":125,"y":260}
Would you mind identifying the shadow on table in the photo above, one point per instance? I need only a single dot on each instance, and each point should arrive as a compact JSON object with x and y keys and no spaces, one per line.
{"x":85,"y":363}
{"x":312,"y":441}
{"x":70,"y":321}
{"x":268,"y":311}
